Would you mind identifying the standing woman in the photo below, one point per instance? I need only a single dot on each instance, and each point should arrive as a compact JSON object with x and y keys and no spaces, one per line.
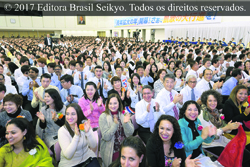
{"x":50,"y":118}
{"x":114,"y":128}
{"x":235,"y":110}
{"x":135,"y":90}
{"x":75,"y":143}
{"x":91,"y":104}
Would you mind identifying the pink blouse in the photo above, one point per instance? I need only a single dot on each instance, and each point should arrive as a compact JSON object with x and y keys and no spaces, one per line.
{"x":94,"y":115}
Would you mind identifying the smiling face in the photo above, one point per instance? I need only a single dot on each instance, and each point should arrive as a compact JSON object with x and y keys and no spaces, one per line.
{"x":48,"y":99}
{"x":191,"y":112}
{"x":117,"y":85}
{"x":211,"y":102}
{"x":169,"y":84}
{"x":178,"y":73}
{"x":71,"y":116}
{"x":241,"y":95}
{"x":135,"y":80}
{"x":113,"y":104}
{"x":14,"y":135}
{"x":166,"y":130}
{"x":147,"y":95}
{"x":10,"y":107}
{"x":129,"y":158}
{"x":90,"y":90}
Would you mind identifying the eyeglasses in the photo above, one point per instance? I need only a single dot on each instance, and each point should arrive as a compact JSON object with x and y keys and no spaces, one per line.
{"x":192,"y":82}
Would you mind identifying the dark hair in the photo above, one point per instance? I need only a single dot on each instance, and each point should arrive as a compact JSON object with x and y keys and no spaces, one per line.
{"x":80,"y":117}
{"x":45,"y":75}
{"x":17,"y":99}
{"x":80,"y":63}
{"x":2,"y":88}
{"x":155,"y":67}
{"x":169,"y":76}
{"x":98,"y":67}
{"x":237,"y":64}
{"x":236,"y":72}
{"x":170,"y":63}
{"x":96,"y":95}
{"x":160,"y":71}
{"x":147,"y":87}
{"x":136,"y":144}
{"x":30,"y":142}
{"x":184,"y":108}
{"x":119,"y":101}
{"x":25,"y":68}
{"x":216,"y":95}
{"x":51,"y":65}
{"x":108,"y":63}
{"x":23,"y":60}
{"x":132,"y":83}
{"x":115,"y":78}
{"x":53,"y":93}
{"x":34,"y":69}
{"x":12,"y":67}
{"x":67,"y":78}
{"x":176,"y":137}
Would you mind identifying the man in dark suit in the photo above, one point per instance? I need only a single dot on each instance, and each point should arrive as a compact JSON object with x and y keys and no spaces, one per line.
{"x":81,"y":20}
{"x":48,"y":41}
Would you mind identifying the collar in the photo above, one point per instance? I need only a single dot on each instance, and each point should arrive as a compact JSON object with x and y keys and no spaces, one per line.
{"x":15,"y":114}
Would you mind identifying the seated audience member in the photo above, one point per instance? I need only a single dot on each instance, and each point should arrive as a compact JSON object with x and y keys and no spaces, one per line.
{"x":70,"y":93}
{"x":118,"y":89}
{"x":80,"y":77}
{"x":115,"y":127}
{"x":74,"y":142}
{"x":231,"y":82}
{"x":89,"y":66}
{"x":147,"y":112}
{"x":51,"y":71}
{"x":194,"y":67}
{"x":192,"y":136}
{"x":158,"y":85}
{"x":206,"y":64}
{"x":206,"y":82}
{"x":26,"y":149}
{"x":165,"y":146}
{"x":51,"y":118}
{"x":28,"y":88}
{"x":240,"y":65}
{"x":210,"y":115}
{"x":58,"y":72}
{"x":235,"y":109}
{"x":171,"y":67}
{"x":169,"y":99}
{"x":23,"y":78}
{"x":23,"y":61}
{"x":72,"y":68}
{"x":190,"y":91}
{"x":9,"y":88}
{"x":180,"y":83}
{"x":217,"y":73}
{"x":92,"y":104}
{"x":107,"y":70}
{"x":145,"y":78}
{"x":38,"y":95}
{"x":132,"y":64}
{"x":103,"y":85}
{"x":135,"y":90}
{"x":132,"y":153}
{"x":42,"y":66}
{"x":153,"y":73}
{"x":12,"y":109}
{"x":229,"y":73}
{"x":7,"y":78}
{"x":124,"y":80}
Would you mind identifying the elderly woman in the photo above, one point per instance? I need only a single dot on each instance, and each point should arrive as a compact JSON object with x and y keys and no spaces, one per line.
{"x":210,"y":115}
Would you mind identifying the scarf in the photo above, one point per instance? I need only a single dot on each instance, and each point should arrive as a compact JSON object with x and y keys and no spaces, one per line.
{"x":213,"y":117}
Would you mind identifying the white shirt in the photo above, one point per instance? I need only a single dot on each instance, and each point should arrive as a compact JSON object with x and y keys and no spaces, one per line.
{"x":41,"y":70}
{"x":186,"y":92}
{"x":7,"y":80}
{"x":10,"y":89}
{"x":142,"y":115}
{"x":103,"y":81}
{"x":195,"y":73}
{"x":134,"y":97}
{"x":17,"y":73}
{"x":201,"y":69}
{"x":203,"y":86}
{"x":20,"y":81}
{"x":165,"y":103}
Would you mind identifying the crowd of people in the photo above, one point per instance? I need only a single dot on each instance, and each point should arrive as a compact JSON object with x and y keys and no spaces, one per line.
{"x":128,"y":103}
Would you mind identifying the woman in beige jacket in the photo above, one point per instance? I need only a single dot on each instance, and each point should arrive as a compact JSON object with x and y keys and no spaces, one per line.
{"x":114,"y":126}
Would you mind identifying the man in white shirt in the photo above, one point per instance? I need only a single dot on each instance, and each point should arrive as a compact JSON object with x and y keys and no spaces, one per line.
{"x":89,"y":66}
{"x":190,"y":92}
{"x":147,"y":112}
{"x":42,"y":66}
{"x":124,"y":80}
{"x":194,"y":67}
{"x":217,"y":74}
{"x":7,"y":78}
{"x":132,"y":64}
{"x":23,"y":61}
{"x":206,"y":83}
{"x":23,"y":78}
{"x":169,"y":99}
{"x":80,"y":77}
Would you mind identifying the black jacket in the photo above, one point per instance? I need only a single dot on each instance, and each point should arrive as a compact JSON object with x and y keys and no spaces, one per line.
{"x":126,"y":101}
{"x":155,"y":156}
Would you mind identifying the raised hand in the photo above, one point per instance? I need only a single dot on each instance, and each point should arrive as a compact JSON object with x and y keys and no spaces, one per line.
{"x":77,"y":130}
{"x":40,"y":116}
{"x":157,"y":106}
{"x":99,"y":102}
{"x":116,"y":119}
{"x":127,"y":118}
{"x":85,"y":77}
{"x":91,"y":106}
{"x":128,"y":93}
{"x":205,"y":132}
{"x":105,"y":86}
{"x":80,"y":78}
{"x":148,"y":107}
{"x":212,"y":130}
{"x":191,"y":162}
{"x":87,"y":126}
{"x":176,"y":162}
{"x":54,"y":115}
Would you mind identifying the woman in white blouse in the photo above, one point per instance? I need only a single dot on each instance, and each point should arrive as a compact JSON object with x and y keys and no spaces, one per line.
{"x":180,"y":83}
{"x":135,"y":90}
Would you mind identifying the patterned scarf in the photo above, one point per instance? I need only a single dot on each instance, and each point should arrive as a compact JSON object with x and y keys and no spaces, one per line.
{"x":213,"y":117}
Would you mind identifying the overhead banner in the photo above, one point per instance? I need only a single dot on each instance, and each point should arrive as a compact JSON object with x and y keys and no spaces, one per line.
{"x":166,"y":20}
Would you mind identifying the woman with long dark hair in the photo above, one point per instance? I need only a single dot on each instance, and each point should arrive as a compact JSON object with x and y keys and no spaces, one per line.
{"x":135,"y":90}
{"x":76,"y":138}
{"x":51,"y":118}
{"x":24,"y":147}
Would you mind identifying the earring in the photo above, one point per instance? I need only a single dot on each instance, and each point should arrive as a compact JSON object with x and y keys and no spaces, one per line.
{"x":24,"y":138}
